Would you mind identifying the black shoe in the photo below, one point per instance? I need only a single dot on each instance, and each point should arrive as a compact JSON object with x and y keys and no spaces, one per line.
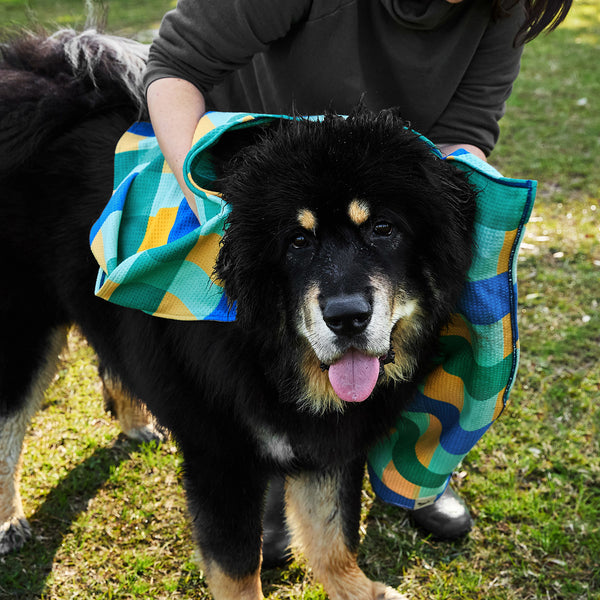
{"x":276,"y":538}
{"x":448,"y":518}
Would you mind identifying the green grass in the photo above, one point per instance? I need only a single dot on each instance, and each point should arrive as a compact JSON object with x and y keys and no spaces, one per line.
{"x":125,"y":17}
{"x":109,"y":515}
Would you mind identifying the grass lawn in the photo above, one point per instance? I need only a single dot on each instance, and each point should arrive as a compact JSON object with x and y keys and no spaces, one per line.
{"x":109,"y":516}
{"x":124,"y":17}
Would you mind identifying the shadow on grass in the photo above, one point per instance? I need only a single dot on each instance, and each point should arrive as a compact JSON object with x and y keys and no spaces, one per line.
{"x":23,"y":574}
{"x":392,"y":546}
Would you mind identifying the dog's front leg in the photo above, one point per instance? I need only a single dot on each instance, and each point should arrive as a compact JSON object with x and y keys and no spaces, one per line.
{"x":225,"y":498}
{"x":323,"y":511}
{"x":224,"y":586}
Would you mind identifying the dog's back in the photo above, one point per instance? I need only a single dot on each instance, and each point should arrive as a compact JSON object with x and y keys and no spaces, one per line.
{"x":64,"y":102}
{"x":50,"y":84}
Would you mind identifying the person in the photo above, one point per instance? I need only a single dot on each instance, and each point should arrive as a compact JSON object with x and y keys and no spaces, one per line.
{"x":448,"y":65}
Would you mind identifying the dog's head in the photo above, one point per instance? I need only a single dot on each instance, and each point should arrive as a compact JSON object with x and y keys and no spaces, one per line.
{"x":349,"y":239}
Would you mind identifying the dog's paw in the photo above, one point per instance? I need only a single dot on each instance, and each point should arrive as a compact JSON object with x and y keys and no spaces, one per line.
{"x":13,"y":534}
{"x":387,"y":593}
{"x":145,"y":433}
{"x":136,"y":421}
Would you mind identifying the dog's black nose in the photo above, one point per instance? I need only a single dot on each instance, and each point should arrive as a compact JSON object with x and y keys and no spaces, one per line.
{"x":347,"y":315}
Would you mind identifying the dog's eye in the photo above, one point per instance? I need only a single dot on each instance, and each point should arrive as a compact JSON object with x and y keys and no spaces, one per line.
{"x":299,"y":241}
{"x":383,"y":229}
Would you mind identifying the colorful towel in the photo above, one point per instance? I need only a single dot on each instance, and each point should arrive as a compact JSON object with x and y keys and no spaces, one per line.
{"x":467,"y":392}
{"x":155,"y":255}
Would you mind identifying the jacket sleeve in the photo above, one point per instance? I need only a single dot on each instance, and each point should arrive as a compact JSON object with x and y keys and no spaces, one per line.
{"x":472,"y":115}
{"x":203,"y":40}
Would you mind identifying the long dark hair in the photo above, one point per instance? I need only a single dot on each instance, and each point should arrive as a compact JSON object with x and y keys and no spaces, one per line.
{"x":540,"y":15}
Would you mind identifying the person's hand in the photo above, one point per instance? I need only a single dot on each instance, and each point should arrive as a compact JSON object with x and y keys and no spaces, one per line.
{"x":446,"y":149}
{"x":175,"y":107}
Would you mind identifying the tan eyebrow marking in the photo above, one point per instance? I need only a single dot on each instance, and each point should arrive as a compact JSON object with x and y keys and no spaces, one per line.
{"x":307,"y":219}
{"x":358,"y":211}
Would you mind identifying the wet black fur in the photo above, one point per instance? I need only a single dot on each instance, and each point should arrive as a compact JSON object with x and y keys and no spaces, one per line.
{"x":213,"y":384}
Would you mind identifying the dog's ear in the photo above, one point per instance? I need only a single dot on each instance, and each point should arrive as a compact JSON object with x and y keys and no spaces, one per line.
{"x":246,"y":265}
{"x":449,"y":252}
{"x":231,"y":144}
{"x":249,"y":275}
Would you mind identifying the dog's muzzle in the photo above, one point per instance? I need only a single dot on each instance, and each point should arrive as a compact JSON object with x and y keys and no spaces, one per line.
{"x":353,"y":375}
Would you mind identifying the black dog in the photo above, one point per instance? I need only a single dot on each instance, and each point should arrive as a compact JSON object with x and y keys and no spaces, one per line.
{"x":346,"y":250}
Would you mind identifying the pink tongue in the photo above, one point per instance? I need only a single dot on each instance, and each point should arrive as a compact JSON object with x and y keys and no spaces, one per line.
{"x":354,"y":376}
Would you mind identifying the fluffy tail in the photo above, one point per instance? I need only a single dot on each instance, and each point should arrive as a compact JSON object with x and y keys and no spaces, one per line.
{"x":49,"y":84}
{"x":106,"y":58}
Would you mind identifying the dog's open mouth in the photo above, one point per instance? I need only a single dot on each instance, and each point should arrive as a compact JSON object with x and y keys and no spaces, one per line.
{"x":353,"y":377}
